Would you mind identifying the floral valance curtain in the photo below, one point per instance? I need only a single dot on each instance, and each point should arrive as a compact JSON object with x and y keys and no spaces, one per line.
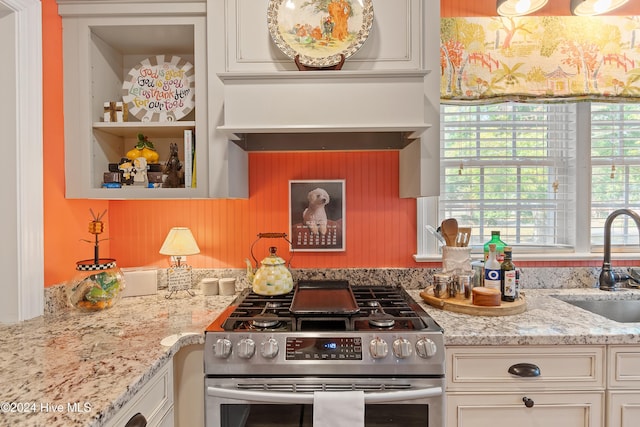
{"x":551,"y":58}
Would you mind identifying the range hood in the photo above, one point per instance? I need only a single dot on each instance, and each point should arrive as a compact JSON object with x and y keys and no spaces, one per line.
{"x":324,"y":110}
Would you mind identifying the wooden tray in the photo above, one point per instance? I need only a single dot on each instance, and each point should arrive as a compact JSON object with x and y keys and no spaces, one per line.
{"x":464,"y":306}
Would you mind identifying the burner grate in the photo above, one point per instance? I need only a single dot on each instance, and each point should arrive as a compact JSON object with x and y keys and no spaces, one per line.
{"x":381,"y":308}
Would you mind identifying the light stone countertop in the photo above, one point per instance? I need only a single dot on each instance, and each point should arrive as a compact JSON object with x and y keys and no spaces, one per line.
{"x":100,"y":358}
{"x":104,"y":358}
{"x":547,"y":321}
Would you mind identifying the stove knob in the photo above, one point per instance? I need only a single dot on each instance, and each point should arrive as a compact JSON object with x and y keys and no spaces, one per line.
{"x":246,"y":348}
{"x":402,"y":348}
{"x":269,"y":349}
{"x":426,"y":348}
{"x":378,"y":348}
{"x":222,"y":348}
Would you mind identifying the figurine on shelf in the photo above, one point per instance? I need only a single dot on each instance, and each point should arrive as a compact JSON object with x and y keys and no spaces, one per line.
{"x":172,"y":168}
{"x":126,"y":168}
{"x":140,"y":171}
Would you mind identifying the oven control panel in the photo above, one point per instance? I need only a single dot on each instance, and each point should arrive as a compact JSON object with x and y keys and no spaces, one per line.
{"x":325,"y":348}
{"x":323,"y":353}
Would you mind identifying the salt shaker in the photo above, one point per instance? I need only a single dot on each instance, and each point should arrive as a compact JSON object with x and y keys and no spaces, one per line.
{"x":227,"y":286}
{"x":209,"y":286}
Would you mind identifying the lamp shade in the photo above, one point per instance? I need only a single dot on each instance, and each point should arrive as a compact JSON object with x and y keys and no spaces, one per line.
{"x":594,"y":7}
{"x":519,"y":7}
{"x":179,"y":242}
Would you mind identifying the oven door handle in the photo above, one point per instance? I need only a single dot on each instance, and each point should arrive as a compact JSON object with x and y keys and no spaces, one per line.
{"x":307,"y":398}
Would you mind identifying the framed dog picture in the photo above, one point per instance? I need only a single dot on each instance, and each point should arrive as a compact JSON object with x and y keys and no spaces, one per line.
{"x":317,"y":215}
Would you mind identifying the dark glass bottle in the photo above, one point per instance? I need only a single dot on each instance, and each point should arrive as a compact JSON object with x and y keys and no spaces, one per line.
{"x":508,"y":277}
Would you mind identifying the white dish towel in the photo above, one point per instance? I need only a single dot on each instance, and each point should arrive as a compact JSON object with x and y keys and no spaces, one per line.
{"x":338,"y":409}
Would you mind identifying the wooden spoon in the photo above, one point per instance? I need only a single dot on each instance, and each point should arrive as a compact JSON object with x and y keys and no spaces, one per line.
{"x":449,"y":230}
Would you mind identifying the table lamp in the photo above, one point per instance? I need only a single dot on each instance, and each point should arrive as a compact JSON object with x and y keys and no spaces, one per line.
{"x":178,"y":244}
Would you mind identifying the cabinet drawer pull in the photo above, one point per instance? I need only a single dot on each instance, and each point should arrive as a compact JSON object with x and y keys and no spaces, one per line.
{"x":138,"y":420}
{"x":528,"y":402}
{"x":524,"y":370}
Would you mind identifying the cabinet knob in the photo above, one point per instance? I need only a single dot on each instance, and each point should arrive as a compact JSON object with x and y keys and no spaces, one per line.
{"x":524,"y":370}
{"x":528,"y":402}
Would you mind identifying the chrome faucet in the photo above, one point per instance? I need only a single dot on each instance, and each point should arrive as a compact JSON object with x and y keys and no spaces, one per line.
{"x":608,"y":278}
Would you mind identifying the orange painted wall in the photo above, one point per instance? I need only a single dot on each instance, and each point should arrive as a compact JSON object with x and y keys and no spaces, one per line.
{"x":65,"y":221}
{"x":380,"y":226}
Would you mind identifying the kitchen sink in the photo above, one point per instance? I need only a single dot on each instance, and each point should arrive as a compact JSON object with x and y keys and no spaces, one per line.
{"x":624,"y":311}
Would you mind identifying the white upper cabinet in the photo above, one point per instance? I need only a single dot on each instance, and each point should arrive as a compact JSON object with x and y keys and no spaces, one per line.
{"x":102,"y":43}
{"x":248,"y":94}
{"x":385,"y":97}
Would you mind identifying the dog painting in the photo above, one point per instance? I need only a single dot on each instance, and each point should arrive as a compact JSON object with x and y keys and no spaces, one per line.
{"x":316,"y":215}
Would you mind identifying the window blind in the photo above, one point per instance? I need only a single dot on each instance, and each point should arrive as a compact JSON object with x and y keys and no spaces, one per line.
{"x":510,"y":167}
{"x":615,"y":170}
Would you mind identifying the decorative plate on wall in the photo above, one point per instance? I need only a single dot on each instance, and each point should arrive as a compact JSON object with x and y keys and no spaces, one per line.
{"x":160,"y":89}
{"x":319,"y":31}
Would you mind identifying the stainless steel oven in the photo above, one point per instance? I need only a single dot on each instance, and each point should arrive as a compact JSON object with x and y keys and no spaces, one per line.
{"x":265,"y":370}
{"x":284,"y":402}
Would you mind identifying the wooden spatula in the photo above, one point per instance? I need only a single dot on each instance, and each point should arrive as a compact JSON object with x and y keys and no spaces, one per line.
{"x":449,"y":230}
{"x":464,"y":235}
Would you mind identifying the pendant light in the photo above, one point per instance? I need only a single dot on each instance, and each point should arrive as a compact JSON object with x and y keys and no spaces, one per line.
{"x":519,"y":7}
{"x":594,"y":7}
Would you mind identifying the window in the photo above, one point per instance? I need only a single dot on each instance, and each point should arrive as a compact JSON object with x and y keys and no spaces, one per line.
{"x":615,"y":169}
{"x":523,"y":169}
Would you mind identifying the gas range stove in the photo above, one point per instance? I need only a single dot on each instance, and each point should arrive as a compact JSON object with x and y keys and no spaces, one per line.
{"x":379,"y":308}
{"x":381,"y":328}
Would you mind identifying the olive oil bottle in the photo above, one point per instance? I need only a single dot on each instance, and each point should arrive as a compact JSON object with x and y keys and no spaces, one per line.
{"x":508,"y":277}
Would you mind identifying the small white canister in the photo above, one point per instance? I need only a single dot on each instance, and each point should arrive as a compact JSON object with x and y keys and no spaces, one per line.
{"x":227,"y":286}
{"x":209,"y":286}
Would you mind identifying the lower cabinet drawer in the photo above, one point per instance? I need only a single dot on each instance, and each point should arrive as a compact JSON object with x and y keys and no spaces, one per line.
{"x":153,"y":400}
{"x":575,"y":409}
{"x":560,"y":367}
{"x":624,"y":367}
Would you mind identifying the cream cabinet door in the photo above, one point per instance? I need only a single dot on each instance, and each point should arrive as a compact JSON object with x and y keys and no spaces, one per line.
{"x":623,"y":409}
{"x":154,"y":401}
{"x":566,"y":409}
{"x":623,"y":394}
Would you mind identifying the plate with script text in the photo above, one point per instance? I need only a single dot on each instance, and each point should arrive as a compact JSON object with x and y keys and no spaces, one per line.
{"x":160,"y":89}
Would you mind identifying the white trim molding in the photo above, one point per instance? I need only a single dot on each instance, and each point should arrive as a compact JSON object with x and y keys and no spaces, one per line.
{"x":24,"y":202}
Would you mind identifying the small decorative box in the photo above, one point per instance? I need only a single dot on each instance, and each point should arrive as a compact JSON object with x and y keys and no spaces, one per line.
{"x":112,"y":177}
{"x":154,"y":177}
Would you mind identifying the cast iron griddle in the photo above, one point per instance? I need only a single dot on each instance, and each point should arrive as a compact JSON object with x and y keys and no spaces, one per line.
{"x":323,"y":297}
